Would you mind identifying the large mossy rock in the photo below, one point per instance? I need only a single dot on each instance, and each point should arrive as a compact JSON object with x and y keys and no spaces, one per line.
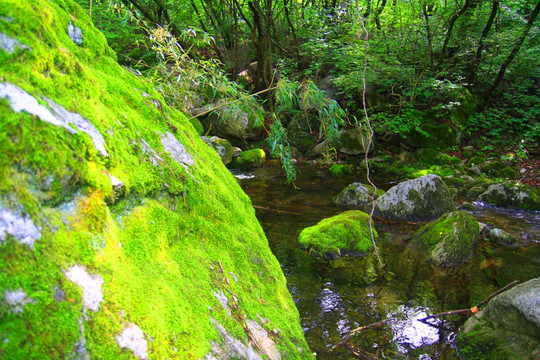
{"x":510,"y":194}
{"x":346,"y":234}
{"x":356,"y":195}
{"x":449,"y":240}
{"x":508,"y":327}
{"x":122,"y":234}
{"x":421,"y":199}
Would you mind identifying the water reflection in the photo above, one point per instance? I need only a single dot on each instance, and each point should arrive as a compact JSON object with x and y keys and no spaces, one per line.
{"x":331,"y":301}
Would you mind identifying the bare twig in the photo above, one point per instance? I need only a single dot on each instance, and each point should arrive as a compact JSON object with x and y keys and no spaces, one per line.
{"x":344,"y":340}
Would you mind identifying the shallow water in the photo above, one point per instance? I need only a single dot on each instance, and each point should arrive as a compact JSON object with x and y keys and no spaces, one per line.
{"x":332,"y":299}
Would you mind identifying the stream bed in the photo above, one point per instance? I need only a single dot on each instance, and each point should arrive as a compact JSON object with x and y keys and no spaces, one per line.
{"x":332,"y":300}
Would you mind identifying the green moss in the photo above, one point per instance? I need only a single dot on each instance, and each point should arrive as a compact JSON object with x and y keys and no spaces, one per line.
{"x":476,"y":346}
{"x":162,"y":249}
{"x":249,"y":159}
{"x":476,"y":160}
{"x":450,"y":239}
{"x":344,"y":234}
{"x":339,"y":171}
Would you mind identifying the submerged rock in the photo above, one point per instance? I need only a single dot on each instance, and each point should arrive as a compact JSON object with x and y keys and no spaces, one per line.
{"x":503,"y":238}
{"x":421,"y":199}
{"x":346,"y":234}
{"x":356,"y":195}
{"x":449,"y":240}
{"x":507,"y":328}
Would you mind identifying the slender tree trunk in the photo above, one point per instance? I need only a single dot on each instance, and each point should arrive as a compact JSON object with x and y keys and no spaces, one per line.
{"x":451,"y":24}
{"x":291,"y":26}
{"x":426,"y":11}
{"x":476,"y":63}
{"x":514,"y":51}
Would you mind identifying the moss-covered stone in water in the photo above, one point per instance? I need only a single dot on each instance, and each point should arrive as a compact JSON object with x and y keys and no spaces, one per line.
{"x":475,"y":346}
{"x":160,"y":247}
{"x":509,"y":194}
{"x":339,"y":171}
{"x":249,"y":159}
{"x":449,"y":240}
{"x":341,"y":235}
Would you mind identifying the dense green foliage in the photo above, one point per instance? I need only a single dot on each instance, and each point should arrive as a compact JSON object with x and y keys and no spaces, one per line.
{"x":470,"y":65}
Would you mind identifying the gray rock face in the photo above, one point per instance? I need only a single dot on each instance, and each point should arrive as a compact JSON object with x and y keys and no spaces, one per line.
{"x":20,"y":100}
{"x":422,"y":199}
{"x":511,"y":320}
{"x":75,"y":34}
{"x":223,"y":147}
{"x":19,"y":225}
{"x":9,"y":44}
{"x":449,"y":240}
{"x":16,"y":300}
{"x":177,"y":151}
{"x":355,"y":195}
{"x":230,"y":348}
{"x":132,"y":338}
{"x":90,"y":285}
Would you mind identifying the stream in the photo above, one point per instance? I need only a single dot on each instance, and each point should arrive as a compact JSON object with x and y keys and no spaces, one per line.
{"x":331,"y":299}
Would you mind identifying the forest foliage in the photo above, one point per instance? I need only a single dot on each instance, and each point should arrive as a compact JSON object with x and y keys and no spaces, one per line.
{"x":472,"y":64}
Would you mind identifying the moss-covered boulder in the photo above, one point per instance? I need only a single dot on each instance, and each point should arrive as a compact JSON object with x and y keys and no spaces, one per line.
{"x":346,"y":234}
{"x":249,"y":159}
{"x":357,"y":195}
{"x":507,"y":328}
{"x":439,"y":136}
{"x":421,"y":199}
{"x":512,"y":195}
{"x":221,"y":146}
{"x":449,"y":240}
{"x":164,"y":266}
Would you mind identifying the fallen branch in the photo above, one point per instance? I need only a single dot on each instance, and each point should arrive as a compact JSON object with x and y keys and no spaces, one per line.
{"x":344,"y":340}
{"x":276,"y":210}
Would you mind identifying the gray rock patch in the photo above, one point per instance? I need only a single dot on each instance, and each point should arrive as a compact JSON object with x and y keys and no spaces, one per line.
{"x":10,"y":44}
{"x":230,"y":348}
{"x":16,"y":300}
{"x":132,"y":338}
{"x":75,"y":34}
{"x":19,"y":225}
{"x":20,"y":100}
{"x":153,"y":156}
{"x":178,"y":151}
{"x":265,"y":344}
{"x":90,"y":285}
{"x":224,"y":301}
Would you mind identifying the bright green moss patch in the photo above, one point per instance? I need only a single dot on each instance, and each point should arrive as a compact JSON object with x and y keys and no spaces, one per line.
{"x":344,"y":234}
{"x":163,"y":246}
{"x":249,"y":159}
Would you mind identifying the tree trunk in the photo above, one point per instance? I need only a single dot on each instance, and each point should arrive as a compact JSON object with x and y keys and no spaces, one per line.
{"x":514,"y":51}
{"x":451,"y":24}
{"x":475,"y":64}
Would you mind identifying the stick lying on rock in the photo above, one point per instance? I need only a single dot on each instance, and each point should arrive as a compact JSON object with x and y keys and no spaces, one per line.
{"x":473,"y":310}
